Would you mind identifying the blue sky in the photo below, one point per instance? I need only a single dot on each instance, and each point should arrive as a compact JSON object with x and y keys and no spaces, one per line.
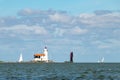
{"x":11,"y":7}
{"x":89,"y":28}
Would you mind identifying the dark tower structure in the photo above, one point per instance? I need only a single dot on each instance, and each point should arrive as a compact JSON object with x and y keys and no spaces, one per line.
{"x":71,"y":57}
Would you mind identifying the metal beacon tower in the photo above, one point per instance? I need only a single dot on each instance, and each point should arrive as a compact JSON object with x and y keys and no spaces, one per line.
{"x":71,"y":57}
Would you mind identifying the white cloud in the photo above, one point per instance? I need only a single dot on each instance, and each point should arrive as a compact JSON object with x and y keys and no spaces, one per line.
{"x":86,"y":16}
{"x":23,"y":30}
{"x":114,"y":42}
{"x":102,"y":18}
{"x":102,"y":12}
{"x":78,"y":31}
{"x":60,"y":18}
{"x":27,"y":10}
{"x":59,"y":23}
{"x":109,"y":43}
{"x":104,"y":46}
{"x":64,"y":41}
{"x":70,"y":31}
{"x":59,"y":32}
{"x":2,"y":21}
{"x":105,"y":20}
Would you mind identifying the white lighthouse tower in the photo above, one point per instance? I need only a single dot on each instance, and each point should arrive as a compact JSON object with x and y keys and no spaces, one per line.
{"x":45,"y":51}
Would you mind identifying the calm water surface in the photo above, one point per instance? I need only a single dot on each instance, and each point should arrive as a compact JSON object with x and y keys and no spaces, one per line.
{"x":59,"y":71}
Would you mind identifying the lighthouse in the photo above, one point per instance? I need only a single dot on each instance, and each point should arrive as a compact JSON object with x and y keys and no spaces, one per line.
{"x":38,"y":57}
{"x":46,"y":54}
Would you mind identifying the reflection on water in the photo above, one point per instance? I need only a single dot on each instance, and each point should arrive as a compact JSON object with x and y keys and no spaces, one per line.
{"x":59,"y":71}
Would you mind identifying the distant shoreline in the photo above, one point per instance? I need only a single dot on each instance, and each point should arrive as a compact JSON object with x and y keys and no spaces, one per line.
{"x":61,"y":62}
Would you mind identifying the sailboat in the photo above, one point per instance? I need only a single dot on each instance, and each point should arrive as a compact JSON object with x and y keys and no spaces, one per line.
{"x":101,"y":61}
{"x":21,"y":58}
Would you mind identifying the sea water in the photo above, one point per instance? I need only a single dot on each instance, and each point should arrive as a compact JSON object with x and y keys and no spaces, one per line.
{"x":59,"y":71}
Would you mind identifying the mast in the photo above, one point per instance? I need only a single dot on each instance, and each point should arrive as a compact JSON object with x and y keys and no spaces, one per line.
{"x":21,"y":58}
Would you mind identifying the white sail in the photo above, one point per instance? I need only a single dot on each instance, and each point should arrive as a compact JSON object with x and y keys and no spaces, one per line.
{"x":98,"y":61}
{"x":102,"y":59}
{"x":21,"y":58}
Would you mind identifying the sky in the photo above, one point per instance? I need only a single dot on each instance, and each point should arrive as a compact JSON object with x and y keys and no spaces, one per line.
{"x":89,"y":28}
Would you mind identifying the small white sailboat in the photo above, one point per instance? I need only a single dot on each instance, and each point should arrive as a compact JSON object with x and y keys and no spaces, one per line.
{"x":98,"y":61}
{"x":21,"y":58}
{"x":101,"y":61}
